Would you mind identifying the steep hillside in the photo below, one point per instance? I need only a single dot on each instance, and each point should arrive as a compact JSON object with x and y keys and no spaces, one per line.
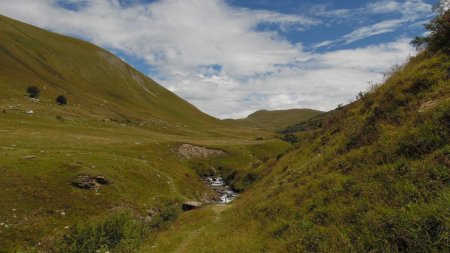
{"x":275,"y":120}
{"x":95,"y":82}
{"x":92,"y":174}
{"x":372,"y":176}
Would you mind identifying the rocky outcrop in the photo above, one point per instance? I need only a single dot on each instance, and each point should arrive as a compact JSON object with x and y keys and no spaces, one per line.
{"x":87,"y":182}
{"x":189,"y":151}
{"x":190,"y":205}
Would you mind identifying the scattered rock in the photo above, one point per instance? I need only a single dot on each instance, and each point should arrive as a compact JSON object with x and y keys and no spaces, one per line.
{"x":102,"y":180}
{"x":29,"y":157}
{"x":151,"y":212}
{"x":190,"y":205}
{"x":189,"y":151}
{"x":29,"y":112}
{"x":87,"y":182}
{"x":427,"y":106}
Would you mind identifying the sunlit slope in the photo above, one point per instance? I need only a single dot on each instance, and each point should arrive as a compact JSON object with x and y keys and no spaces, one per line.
{"x":276,"y":120}
{"x":91,"y":78}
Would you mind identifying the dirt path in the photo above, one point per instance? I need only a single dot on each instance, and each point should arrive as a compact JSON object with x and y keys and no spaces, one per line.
{"x":218,"y":210}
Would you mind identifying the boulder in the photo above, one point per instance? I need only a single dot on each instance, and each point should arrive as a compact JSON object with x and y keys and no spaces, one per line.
{"x":102,"y":180}
{"x":190,"y":205}
{"x":87,"y":182}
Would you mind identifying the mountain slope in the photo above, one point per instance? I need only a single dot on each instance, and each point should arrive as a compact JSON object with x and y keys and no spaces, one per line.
{"x":90,"y":77}
{"x":275,"y":120}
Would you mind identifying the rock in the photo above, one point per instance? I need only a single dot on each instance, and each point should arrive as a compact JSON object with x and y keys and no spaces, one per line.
{"x":29,"y":157}
{"x":87,"y":182}
{"x":102,"y":180}
{"x":29,"y":112}
{"x":190,"y":205}
{"x":151,"y":212}
{"x":189,"y":151}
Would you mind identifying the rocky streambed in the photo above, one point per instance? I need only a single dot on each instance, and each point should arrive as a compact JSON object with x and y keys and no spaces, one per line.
{"x":217,"y":184}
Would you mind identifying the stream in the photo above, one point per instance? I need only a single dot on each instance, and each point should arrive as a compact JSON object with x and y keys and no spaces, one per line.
{"x":226,"y":194}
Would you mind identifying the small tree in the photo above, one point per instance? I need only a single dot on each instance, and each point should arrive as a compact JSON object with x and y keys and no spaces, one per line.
{"x":33,"y":91}
{"x":61,"y":100}
{"x":439,"y":32}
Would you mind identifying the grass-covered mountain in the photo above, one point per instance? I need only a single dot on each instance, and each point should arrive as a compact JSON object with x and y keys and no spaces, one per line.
{"x":118,"y":124}
{"x":371,"y":176}
{"x":95,"y":82}
{"x":276,"y":120}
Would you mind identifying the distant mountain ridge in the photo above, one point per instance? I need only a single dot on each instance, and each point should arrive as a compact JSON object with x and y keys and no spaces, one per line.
{"x":276,"y":120}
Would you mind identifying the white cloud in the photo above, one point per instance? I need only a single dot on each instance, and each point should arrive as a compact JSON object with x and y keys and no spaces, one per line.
{"x":212,"y":54}
{"x":324,"y":43}
{"x":408,"y":12}
{"x":371,"y":30}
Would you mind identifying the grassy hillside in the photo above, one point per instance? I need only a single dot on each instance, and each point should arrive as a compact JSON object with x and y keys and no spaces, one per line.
{"x":275,"y":120}
{"x":95,"y":82}
{"x":372,"y":176}
{"x":118,"y":124}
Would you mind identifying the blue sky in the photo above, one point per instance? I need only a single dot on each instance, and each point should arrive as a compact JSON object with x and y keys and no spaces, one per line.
{"x":232,"y":57}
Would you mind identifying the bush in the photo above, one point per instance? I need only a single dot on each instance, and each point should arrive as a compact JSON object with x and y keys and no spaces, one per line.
{"x":61,"y":100}
{"x":439,"y":37}
{"x":168,"y":214}
{"x":120,"y":232}
{"x":290,"y":137}
{"x":33,"y":91}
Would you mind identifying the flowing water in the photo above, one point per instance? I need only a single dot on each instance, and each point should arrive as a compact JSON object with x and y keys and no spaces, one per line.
{"x":226,"y":194}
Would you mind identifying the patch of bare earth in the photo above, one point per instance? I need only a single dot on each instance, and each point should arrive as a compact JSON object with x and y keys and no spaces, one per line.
{"x":189,"y":151}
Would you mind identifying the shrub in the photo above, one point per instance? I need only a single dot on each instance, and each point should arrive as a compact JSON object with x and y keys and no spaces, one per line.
{"x":61,"y":100}
{"x":33,"y":91}
{"x":439,"y":37}
{"x":120,"y":232}
{"x":168,"y":214}
{"x":290,"y":137}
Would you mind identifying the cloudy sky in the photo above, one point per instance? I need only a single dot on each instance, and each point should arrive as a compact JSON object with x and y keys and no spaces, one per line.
{"x":232,"y":57}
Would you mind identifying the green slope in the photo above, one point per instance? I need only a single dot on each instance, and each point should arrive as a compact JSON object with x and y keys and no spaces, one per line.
{"x":372,"y":176}
{"x":93,"y":80}
{"x":275,"y":120}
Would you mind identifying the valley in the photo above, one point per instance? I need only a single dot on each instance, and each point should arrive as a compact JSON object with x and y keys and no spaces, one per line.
{"x":124,"y":165}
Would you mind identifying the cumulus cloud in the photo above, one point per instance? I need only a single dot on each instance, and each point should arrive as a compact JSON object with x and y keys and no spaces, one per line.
{"x":213,"y":55}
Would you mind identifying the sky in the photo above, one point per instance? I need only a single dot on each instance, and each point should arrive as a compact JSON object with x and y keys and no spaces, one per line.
{"x":230,"y":58}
